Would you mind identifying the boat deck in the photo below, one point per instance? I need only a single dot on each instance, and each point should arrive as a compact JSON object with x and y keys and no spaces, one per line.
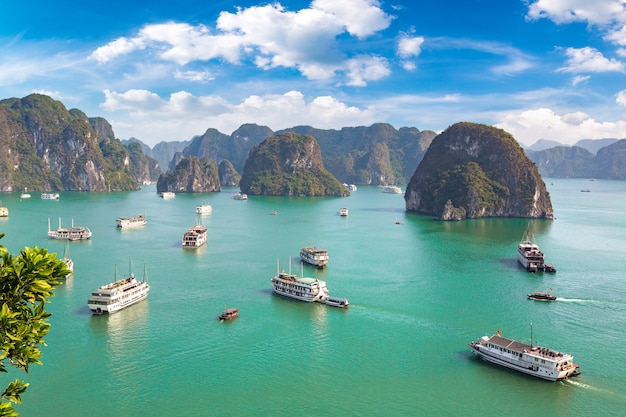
{"x":521,"y":347}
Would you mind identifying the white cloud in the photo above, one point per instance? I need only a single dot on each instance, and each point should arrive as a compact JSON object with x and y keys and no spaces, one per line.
{"x":517,"y":61}
{"x":580,"y":79}
{"x":366,"y":68}
{"x":596,"y":12}
{"x":620,"y":98}
{"x":530,"y":125}
{"x":195,"y":76}
{"x":361,"y":18}
{"x":608,"y":15}
{"x":410,"y":46}
{"x":112,"y":50}
{"x":268,"y":35}
{"x":146,"y":116}
{"x":589,"y":59}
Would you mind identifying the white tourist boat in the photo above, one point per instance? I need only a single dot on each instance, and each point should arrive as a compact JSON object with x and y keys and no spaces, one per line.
{"x":392,"y":189}
{"x":50,"y":196}
{"x":195,"y":237}
{"x":240,"y":196}
{"x":350,"y":187}
{"x":4,"y":211}
{"x":25,"y":193}
{"x":343,"y":212}
{"x":167,"y":195}
{"x":204,"y":209}
{"x":529,"y":255}
{"x":69,"y":233}
{"x":303,"y":289}
{"x":532,"y":360}
{"x":119,"y":294}
{"x":131,"y":222}
{"x":67,"y":260}
{"x":317,"y":257}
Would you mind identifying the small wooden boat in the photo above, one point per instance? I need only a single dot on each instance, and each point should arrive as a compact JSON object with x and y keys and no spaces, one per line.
{"x":542,"y":296}
{"x":229,"y":313}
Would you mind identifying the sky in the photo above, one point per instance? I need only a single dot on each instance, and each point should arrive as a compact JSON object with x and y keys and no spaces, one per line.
{"x":168,"y":71}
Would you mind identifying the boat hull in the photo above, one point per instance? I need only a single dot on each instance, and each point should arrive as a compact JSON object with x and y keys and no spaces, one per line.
{"x":114,"y":308}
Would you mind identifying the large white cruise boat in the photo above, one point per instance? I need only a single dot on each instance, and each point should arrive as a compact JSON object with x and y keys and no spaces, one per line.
{"x":131,"y":222}
{"x":532,"y":360}
{"x":69,"y":233}
{"x":195,"y":237}
{"x":304,"y":289}
{"x":317,"y":257}
{"x":205,"y":208}
{"x":530,"y":257}
{"x":119,"y":294}
{"x":392,"y":189}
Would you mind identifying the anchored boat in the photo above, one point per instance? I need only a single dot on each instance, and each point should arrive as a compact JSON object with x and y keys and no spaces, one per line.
{"x":317,"y":257}
{"x":530,"y":257}
{"x":119,"y":294}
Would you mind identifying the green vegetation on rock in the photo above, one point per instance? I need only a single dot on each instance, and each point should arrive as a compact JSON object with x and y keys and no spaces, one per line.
{"x":289,"y":164}
{"x":480,"y":169}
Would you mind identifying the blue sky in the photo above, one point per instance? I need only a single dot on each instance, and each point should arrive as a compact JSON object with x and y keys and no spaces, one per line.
{"x":164,"y":71}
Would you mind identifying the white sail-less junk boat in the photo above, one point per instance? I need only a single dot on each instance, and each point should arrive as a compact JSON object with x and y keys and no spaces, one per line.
{"x":318,"y":257}
{"x":530,"y":257}
{"x":119,"y":294}
{"x":71,"y":233}
{"x":532,"y":360}
{"x":304,"y":289}
{"x":131,"y":222}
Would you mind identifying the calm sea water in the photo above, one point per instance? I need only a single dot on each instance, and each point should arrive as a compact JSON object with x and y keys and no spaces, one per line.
{"x":420,"y":291}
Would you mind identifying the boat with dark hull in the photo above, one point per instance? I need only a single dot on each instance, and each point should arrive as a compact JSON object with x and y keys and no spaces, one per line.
{"x":532,"y":360}
{"x":229,"y":314}
{"x":541,"y":296}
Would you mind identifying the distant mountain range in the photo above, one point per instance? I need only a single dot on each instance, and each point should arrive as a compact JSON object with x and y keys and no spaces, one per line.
{"x":44,"y":146}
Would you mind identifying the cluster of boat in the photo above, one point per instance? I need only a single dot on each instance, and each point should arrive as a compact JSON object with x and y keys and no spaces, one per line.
{"x":532,"y":360}
{"x":307,"y":289}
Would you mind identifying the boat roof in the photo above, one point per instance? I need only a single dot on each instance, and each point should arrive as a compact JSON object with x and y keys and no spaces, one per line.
{"x":314,"y":250}
{"x":522,"y":347}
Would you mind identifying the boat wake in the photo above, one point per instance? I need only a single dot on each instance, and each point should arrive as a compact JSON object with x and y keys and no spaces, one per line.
{"x":574,"y":300}
{"x":581,"y":385}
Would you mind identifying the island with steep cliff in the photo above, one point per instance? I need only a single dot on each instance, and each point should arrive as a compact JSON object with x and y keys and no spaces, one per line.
{"x":288,"y":164}
{"x":473,"y":171}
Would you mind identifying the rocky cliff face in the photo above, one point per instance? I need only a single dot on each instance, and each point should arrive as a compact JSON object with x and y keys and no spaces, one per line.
{"x":191,"y":175}
{"x":228,"y":174}
{"x":288,"y":165}
{"x":45,"y":147}
{"x":473,"y":171}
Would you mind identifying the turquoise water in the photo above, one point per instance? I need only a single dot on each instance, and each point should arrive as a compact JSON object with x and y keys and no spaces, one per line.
{"x":419,"y":293}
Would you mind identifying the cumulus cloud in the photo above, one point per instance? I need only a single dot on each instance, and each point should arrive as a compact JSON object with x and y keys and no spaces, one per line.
{"x":269,"y":36}
{"x":147,"y":116}
{"x":589,"y":59}
{"x":543,"y":123}
{"x":366,"y":68}
{"x":120,"y":46}
{"x":620,"y":98}
{"x":608,"y":15}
